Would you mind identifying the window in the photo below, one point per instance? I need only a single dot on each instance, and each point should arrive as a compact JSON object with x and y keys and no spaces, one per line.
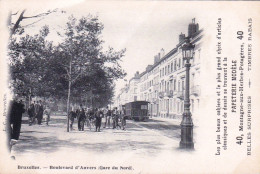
{"x":171,"y":67}
{"x":192,"y":80}
{"x":163,"y":72}
{"x":143,"y":106}
{"x":171,"y":85}
{"x":174,"y":105}
{"x":170,"y":104}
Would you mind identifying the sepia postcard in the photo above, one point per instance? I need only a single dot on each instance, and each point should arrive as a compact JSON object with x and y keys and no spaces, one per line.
{"x":154,"y":87}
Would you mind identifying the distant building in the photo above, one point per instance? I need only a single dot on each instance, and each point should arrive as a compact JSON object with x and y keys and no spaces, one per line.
{"x":163,"y":83}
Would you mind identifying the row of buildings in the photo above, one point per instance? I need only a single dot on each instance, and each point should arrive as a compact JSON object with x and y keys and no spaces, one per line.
{"x":163,"y":83}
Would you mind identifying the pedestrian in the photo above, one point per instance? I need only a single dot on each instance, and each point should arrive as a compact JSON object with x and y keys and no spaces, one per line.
{"x":72,"y":116}
{"x":105,"y":112}
{"x":14,"y":121}
{"x":82,"y":118}
{"x":34,"y":115}
{"x":40,"y":113}
{"x":47,"y":113}
{"x":109,"y":117}
{"x":78,"y":113}
{"x":37,"y":108}
{"x":116,"y":119}
{"x":98,"y":116}
{"x":123,"y":119}
{"x":31,"y":113}
{"x":92,"y":117}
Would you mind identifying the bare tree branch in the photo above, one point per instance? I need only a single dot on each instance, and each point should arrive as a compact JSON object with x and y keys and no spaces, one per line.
{"x":41,"y":14}
{"x":22,"y":17}
{"x":33,"y":22}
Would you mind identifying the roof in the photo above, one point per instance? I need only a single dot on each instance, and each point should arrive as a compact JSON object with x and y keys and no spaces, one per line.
{"x":172,"y":52}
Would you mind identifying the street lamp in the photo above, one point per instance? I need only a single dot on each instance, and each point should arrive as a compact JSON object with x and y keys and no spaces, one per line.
{"x":186,"y":123}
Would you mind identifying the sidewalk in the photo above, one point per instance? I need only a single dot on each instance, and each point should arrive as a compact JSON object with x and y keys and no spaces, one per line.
{"x":169,"y":120}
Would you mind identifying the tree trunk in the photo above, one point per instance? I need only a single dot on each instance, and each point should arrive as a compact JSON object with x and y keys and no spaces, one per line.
{"x":68,"y":100}
{"x":16,"y":25}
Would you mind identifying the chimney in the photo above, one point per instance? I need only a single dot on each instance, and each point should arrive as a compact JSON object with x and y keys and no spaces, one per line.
{"x":148,"y":68}
{"x":162,"y":53}
{"x":156,"y":59}
{"x":193,"y":28}
{"x":181,"y":37}
{"x":137,"y":74}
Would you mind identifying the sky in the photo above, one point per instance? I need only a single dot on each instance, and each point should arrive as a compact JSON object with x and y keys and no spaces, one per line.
{"x":142,"y":27}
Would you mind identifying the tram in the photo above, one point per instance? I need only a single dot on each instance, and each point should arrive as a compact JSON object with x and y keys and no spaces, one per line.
{"x":137,"y":110}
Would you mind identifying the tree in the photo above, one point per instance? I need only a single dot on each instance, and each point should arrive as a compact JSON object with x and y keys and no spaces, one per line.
{"x":27,"y":56}
{"x":28,"y":53}
{"x":79,"y":60}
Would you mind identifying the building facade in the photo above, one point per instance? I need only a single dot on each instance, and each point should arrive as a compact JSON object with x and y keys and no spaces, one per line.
{"x":163,"y":83}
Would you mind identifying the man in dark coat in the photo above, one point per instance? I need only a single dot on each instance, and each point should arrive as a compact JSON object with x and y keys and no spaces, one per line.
{"x":72,"y":116}
{"x":82,"y":118}
{"x":98,"y":116}
{"x":36,"y":107}
{"x":40,"y":113}
{"x":90,"y":117}
{"x":31,"y":113}
{"x":14,"y":123}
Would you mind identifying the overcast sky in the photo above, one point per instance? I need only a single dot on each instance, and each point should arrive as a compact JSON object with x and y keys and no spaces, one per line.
{"x":143,"y":28}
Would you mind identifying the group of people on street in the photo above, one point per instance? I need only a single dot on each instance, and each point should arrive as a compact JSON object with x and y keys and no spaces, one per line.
{"x":85,"y":116}
{"x":93,"y":117}
{"x":36,"y":111}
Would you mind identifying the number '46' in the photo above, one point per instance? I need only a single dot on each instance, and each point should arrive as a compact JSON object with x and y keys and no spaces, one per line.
{"x":240,"y":35}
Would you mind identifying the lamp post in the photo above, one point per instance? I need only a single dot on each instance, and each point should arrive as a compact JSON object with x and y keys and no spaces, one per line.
{"x":186,"y":124}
